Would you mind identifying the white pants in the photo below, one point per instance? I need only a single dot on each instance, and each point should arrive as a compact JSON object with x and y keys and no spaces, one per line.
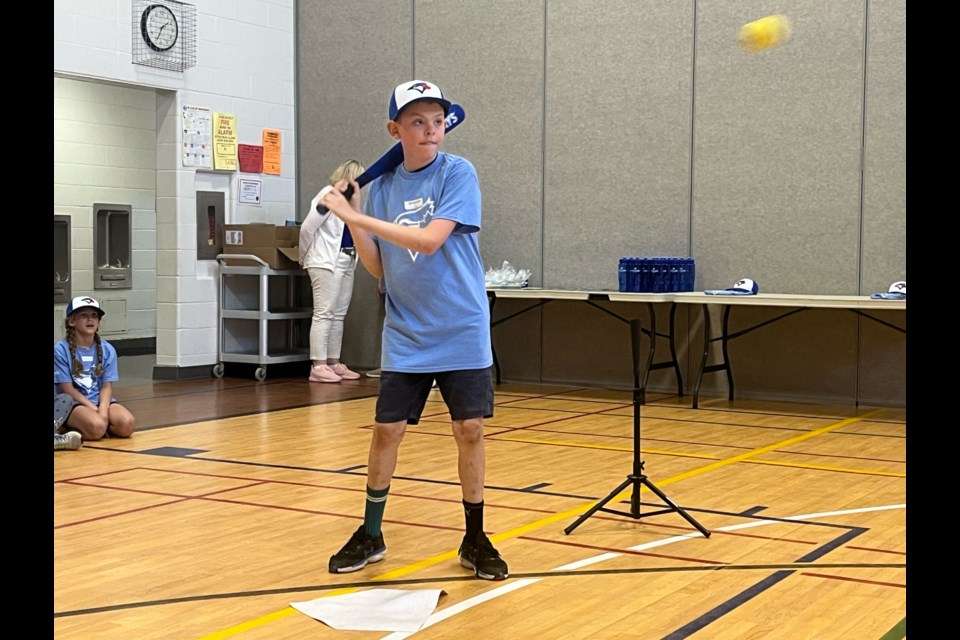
{"x":332,"y":291}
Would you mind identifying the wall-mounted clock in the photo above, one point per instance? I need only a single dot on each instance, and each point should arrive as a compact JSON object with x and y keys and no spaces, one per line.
{"x":164,"y":34}
{"x":159,"y":27}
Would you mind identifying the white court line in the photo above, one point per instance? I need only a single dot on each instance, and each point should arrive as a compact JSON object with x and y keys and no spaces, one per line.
{"x":463,"y":606}
{"x":603,"y":557}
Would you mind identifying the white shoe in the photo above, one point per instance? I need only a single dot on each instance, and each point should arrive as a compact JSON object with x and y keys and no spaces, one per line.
{"x":69,"y":441}
{"x":373,"y":373}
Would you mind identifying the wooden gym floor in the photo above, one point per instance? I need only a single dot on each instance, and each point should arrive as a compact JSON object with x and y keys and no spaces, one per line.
{"x":226,"y":504}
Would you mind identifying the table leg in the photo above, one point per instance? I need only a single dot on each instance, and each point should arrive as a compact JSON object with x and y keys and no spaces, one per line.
{"x":492,"y":299}
{"x":726,"y":354}
{"x":672,"y":363}
{"x":703,"y":358}
{"x":673,"y":349}
{"x":725,"y":338}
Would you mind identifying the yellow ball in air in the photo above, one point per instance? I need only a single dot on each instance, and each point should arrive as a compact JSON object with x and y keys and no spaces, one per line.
{"x":765,"y":33}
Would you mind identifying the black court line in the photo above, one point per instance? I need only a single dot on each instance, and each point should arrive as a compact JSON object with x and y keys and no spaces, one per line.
{"x":359,"y":471}
{"x":782,"y":572}
{"x":755,"y":590}
{"x":463,"y":578}
{"x":227,"y":416}
{"x":348,"y":471}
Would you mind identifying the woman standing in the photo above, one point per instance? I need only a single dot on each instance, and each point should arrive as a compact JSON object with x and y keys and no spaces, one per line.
{"x":328,"y":255}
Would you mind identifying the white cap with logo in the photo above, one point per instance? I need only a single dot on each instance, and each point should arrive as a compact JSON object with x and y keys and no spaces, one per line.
{"x":742,"y":287}
{"x":896,"y":291}
{"x":414,"y":91}
{"x":84,"y":301}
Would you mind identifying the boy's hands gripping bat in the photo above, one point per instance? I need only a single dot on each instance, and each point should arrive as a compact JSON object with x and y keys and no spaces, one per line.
{"x":392,"y":158}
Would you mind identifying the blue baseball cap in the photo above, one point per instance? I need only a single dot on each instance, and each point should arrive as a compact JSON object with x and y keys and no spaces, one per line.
{"x":415,"y":91}
{"x":84,"y":301}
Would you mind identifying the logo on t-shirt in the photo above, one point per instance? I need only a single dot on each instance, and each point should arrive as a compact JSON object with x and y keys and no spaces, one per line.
{"x":417,"y":218}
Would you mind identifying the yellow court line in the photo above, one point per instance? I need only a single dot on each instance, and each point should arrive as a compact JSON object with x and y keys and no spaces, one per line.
{"x":538,"y":524}
{"x":707,"y":456}
{"x":772,"y":447}
{"x":820,"y":467}
{"x":256,"y":622}
{"x":563,"y":443}
{"x":683,"y":476}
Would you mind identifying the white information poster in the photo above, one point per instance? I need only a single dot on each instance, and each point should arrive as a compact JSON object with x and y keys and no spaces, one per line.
{"x":197,"y":137}
{"x":249,"y":191}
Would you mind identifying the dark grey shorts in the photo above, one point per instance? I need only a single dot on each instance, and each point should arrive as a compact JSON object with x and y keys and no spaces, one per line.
{"x":467,"y":393}
{"x":63,"y":404}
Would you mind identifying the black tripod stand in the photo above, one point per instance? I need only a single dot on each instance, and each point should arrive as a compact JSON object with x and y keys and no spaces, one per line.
{"x":637,"y":478}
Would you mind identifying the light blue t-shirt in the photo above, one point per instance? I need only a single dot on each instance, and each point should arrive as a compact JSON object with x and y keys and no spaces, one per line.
{"x":437,"y":313}
{"x":86,"y":382}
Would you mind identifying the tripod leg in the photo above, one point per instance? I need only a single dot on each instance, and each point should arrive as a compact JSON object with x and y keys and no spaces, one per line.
{"x":675,"y":507}
{"x":613,"y":494}
{"x":637,"y":478}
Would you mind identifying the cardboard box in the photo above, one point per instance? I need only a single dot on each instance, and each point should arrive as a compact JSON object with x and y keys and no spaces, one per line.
{"x":275,"y":245}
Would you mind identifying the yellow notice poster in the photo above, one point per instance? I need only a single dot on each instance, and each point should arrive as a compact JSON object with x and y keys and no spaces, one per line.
{"x":225,"y":141}
{"x":271,"y":151}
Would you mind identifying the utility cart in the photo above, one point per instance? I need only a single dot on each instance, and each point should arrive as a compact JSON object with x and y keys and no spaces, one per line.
{"x":265,"y":314}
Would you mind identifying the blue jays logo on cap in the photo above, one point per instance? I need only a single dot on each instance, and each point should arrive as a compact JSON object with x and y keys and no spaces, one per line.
{"x":84,"y":301}
{"x":742,"y":287}
{"x":896,"y":291}
{"x":419,"y":86}
{"x":409,"y":92}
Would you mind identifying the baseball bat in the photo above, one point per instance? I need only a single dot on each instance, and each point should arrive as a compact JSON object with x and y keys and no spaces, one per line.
{"x":392,"y":158}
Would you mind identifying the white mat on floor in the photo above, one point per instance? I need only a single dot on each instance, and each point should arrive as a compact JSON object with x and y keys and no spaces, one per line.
{"x":374,"y":609}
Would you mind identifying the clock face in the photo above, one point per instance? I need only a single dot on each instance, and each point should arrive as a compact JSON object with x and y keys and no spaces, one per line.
{"x":159,"y":28}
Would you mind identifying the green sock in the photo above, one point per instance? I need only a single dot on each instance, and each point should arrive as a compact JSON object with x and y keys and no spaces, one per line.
{"x":473,"y":512}
{"x":373,"y":512}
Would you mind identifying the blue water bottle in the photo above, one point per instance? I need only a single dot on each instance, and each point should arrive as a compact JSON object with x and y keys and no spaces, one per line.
{"x":675,"y":284}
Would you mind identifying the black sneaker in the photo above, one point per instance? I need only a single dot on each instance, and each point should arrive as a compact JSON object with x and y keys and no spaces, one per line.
{"x":359,"y":550}
{"x":483,"y":558}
